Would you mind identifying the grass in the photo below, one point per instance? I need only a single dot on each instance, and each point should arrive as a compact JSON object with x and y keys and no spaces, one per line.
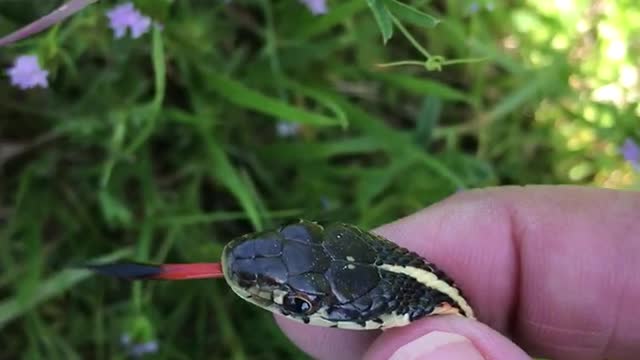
{"x":163,"y":148}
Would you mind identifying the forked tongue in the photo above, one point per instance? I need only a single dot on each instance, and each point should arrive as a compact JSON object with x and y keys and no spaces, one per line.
{"x":136,"y":271}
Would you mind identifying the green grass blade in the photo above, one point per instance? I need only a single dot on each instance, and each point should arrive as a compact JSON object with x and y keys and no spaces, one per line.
{"x":151,"y":111}
{"x":422,"y":86}
{"x":230,"y":177}
{"x":51,"y":287}
{"x":427,"y":119}
{"x":383,"y":19}
{"x":247,"y":98}
{"x":411,"y":14}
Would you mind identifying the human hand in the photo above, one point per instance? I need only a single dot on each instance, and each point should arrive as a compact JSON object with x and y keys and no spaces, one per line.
{"x":551,"y":271}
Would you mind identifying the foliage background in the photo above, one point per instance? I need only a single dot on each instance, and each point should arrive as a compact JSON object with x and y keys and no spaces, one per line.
{"x":165,"y":147}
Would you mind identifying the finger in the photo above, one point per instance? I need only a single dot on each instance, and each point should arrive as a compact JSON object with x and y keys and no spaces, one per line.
{"x":446,"y":337}
{"x":327,"y":343}
{"x":554,"y":265}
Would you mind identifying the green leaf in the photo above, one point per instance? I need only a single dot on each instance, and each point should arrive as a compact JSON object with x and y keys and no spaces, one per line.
{"x":423,"y":87}
{"x":232,"y":179}
{"x":152,"y":110}
{"x":241,"y":95}
{"x":411,"y":14}
{"x":427,"y":119}
{"x":383,"y":18}
{"x":159,"y":68}
{"x":114,"y":211}
{"x":309,"y":151}
{"x":319,"y":97}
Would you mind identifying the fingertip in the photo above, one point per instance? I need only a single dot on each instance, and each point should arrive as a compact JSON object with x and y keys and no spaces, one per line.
{"x":444,"y":337}
{"x":327,"y":343}
{"x":469,"y":237}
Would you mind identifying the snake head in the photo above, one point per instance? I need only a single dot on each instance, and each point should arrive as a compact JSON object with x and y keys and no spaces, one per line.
{"x":337,"y":276}
{"x":281,"y":270}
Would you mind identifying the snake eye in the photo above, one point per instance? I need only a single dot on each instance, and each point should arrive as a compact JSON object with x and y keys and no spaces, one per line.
{"x":297,"y":304}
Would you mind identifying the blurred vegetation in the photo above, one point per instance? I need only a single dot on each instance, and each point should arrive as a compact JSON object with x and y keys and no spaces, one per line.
{"x":238,"y":115}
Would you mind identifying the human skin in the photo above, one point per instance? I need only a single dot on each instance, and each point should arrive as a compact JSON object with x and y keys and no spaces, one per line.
{"x":553,"y":269}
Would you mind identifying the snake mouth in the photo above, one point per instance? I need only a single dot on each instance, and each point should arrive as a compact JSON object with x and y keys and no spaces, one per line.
{"x":226,"y":270}
{"x":253,"y":266}
{"x":246,"y":288}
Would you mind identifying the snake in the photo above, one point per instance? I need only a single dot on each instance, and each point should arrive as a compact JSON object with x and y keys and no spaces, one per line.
{"x":334,"y":275}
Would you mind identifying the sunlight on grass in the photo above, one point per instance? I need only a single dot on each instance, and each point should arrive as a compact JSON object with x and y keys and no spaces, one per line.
{"x":604,"y":80}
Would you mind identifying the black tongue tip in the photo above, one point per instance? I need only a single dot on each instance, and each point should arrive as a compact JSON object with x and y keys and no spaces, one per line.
{"x":126,"y":270}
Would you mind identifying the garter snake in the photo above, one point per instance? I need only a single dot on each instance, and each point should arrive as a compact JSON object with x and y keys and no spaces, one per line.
{"x":336,"y":275}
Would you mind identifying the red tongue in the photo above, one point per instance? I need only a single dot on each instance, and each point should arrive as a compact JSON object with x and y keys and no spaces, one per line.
{"x":190,"y":271}
{"x":136,"y":271}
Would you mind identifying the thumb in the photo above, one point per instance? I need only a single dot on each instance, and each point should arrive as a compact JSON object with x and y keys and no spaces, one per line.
{"x":444,"y":337}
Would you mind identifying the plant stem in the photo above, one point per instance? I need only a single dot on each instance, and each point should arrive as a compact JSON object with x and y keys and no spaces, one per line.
{"x":410,"y":37}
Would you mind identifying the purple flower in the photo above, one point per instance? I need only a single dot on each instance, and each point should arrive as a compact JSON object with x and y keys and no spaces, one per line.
{"x":26,"y":73}
{"x":287,"y":129}
{"x":139,"y":350}
{"x":135,"y":349}
{"x":631,"y":152}
{"x":126,"y":16}
{"x":317,"y":7}
{"x":125,"y":340}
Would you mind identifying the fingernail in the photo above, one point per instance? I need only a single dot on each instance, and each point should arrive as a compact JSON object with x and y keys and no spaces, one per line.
{"x":438,"y":345}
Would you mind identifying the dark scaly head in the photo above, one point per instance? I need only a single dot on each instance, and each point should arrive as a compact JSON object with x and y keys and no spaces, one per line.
{"x":281,"y":270}
{"x":337,"y":276}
